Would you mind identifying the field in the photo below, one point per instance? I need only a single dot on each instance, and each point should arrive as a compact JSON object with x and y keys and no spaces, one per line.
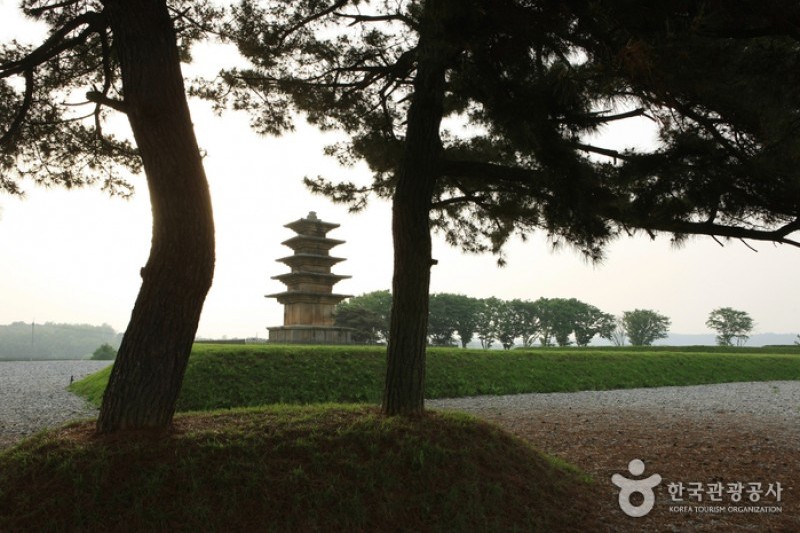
{"x":316,"y":466}
{"x":225,"y":376}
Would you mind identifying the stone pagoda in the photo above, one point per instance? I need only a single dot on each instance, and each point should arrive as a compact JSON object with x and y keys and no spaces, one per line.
{"x":309,"y":299}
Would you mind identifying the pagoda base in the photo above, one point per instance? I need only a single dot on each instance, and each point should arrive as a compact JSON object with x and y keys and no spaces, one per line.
{"x":310,"y":335}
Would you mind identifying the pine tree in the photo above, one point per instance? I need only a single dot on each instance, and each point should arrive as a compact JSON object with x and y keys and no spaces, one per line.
{"x":531,"y":80}
{"x":124,"y":55}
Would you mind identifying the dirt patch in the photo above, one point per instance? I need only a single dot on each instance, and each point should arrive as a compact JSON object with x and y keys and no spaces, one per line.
{"x":682,"y":448}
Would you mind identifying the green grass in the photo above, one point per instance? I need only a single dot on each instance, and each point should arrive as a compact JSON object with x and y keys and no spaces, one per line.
{"x":337,"y":467}
{"x":225,"y":376}
{"x":320,"y":468}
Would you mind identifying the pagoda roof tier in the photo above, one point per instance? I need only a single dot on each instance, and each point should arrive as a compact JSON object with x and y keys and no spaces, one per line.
{"x":309,"y":244}
{"x":311,"y":225}
{"x":293,"y":297}
{"x":310,"y":259}
{"x":301,"y":275}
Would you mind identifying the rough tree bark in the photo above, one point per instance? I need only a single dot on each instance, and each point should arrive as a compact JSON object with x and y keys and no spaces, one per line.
{"x":146,"y":378}
{"x":411,"y":204}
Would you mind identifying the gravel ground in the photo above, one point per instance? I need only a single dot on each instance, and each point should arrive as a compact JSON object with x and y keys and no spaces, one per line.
{"x":33,"y":395}
{"x":775,"y":400}
{"x":722,"y":433}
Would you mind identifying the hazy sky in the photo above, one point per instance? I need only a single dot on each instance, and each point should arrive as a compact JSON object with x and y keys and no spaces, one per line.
{"x":74,"y":256}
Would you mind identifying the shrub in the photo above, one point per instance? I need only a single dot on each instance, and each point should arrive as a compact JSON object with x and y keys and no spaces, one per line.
{"x":105,"y":352}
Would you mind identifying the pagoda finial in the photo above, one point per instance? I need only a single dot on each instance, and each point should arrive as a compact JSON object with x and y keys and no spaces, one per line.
{"x":312,"y":215}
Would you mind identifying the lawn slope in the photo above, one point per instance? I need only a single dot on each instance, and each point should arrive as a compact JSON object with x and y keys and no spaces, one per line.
{"x":321,"y":468}
{"x":237,"y":376}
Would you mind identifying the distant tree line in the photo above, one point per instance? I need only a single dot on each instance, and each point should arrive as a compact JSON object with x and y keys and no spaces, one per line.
{"x":26,"y":340}
{"x":459,"y":319}
{"x":456,"y":318}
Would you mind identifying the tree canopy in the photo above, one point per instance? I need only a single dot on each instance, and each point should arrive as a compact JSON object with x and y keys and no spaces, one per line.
{"x":368,"y":314}
{"x":452,"y":314}
{"x":643,"y":326}
{"x":56,"y":97}
{"x":105,"y":352}
{"x":730,"y":324}
{"x":534,"y":81}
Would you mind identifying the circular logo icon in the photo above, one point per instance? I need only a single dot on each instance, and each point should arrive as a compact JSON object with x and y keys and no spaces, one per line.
{"x":628,"y":487}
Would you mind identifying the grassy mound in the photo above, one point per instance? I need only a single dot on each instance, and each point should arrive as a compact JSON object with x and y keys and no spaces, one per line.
{"x":220,"y":376}
{"x":322,"y":468}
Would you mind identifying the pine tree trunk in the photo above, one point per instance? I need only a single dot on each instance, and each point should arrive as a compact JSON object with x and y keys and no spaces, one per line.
{"x":405,"y":374}
{"x":147,"y":375}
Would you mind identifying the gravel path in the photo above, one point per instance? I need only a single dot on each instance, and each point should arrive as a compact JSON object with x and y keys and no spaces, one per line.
{"x":33,"y":395}
{"x":775,"y":400}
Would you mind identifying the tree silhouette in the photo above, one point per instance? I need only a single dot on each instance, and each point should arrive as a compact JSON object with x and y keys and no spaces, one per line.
{"x":643,"y":326}
{"x":530,"y":82}
{"x":730,"y":324}
{"x":124,"y":56}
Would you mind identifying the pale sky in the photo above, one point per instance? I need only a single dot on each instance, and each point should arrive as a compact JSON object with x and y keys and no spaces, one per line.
{"x":74,"y":256}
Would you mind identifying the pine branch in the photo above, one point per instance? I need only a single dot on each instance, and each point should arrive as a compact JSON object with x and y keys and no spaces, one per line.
{"x":101,"y":99}
{"x":311,"y":18}
{"x":480,"y":170}
{"x":710,"y":127}
{"x":454,"y":200}
{"x":602,"y":119}
{"x":56,"y":43}
{"x":203,"y":27}
{"x":356,"y":19}
{"x":715,"y":230}
{"x":27,"y":99}
{"x":602,"y":151}
{"x":789,"y":228}
{"x":36,"y":11}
